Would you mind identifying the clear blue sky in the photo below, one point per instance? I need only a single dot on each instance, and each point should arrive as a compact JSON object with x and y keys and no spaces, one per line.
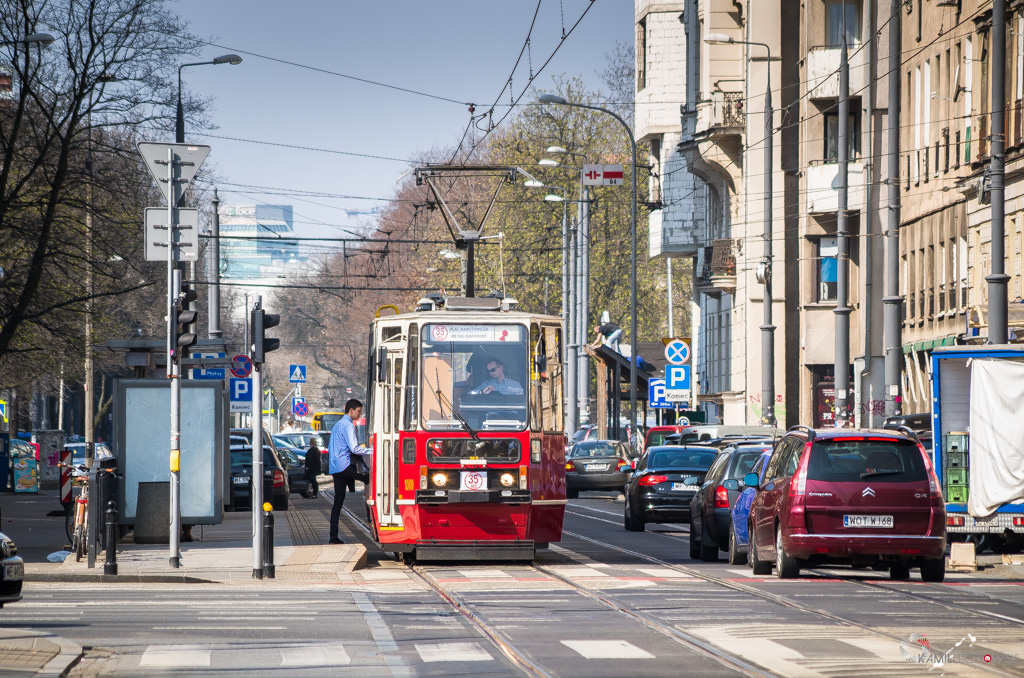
{"x":456,"y":49}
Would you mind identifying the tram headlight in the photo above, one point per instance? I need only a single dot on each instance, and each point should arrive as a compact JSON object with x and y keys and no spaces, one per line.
{"x":508,"y":480}
{"x":440,"y":479}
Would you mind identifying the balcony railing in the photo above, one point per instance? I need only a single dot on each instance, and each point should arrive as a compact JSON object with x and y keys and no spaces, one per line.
{"x":723,"y":259}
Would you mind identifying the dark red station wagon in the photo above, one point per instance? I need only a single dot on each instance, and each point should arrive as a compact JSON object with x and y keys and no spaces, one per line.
{"x":848,"y":496}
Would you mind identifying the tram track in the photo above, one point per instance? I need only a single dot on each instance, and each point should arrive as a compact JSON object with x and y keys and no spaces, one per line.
{"x":795,"y":605}
{"x":520,"y":658}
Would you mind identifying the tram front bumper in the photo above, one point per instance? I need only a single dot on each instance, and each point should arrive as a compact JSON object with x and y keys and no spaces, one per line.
{"x":473,"y":497}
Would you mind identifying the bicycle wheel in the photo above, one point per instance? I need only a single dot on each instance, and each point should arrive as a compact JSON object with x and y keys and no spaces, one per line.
{"x":79,"y":541}
{"x":69,"y":522}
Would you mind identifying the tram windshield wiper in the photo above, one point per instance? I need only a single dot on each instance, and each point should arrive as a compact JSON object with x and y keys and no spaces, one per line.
{"x":443,"y":400}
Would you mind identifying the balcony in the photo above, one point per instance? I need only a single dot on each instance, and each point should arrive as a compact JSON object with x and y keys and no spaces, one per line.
{"x":823,"y":197}
{"x":724,"y":113}
{"x":823,"y":71}
{"x":716,"y":268}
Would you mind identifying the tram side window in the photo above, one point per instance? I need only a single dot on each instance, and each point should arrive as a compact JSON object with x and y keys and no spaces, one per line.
{"x":386,"y":405}
{"x":413,"y":352}
{"x":398,"y":393}
{"x":552,"y":386}
{"x":536,"y":384}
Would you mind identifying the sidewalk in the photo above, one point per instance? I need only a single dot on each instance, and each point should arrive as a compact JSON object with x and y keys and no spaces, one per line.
{"x":223,"y":554}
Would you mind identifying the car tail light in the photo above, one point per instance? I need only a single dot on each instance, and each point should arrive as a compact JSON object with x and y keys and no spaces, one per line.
{"x":278,"y":478}
{"x":798,"y":486}
{"x":623,"y":464}
{"x":569,"y":466}
{"x":423,"y":477}
{"x":1018,"y":521}
{"x":523,"y":477}
{"x":933,"y":481}
{"x":653,"y":480}
{"x":954,"y":521}
{"x":721,"y":497}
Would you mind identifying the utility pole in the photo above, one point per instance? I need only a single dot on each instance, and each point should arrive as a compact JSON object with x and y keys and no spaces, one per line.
{"x":842,"y":312}
{"x":257,"y":445}
{"x":892,"y":298}
{"x":90,"y":371}
{"x":571,"y":328}
{"x":213,"y":270}
{"x":583,"y":371}
{"x":997,"y":280}
{"x":767,"y":328}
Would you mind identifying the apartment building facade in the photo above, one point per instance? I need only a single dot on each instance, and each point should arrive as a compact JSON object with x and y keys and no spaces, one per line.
{"x":721,"y":148}
{"x":945,"y":234}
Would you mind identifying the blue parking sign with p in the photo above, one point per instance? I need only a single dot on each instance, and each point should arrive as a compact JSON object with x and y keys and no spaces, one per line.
{"x":677,"y":377}
{"x":241,"y":389}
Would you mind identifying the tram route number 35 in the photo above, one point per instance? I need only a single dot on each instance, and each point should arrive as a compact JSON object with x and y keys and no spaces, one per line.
{"x":473,"y":480}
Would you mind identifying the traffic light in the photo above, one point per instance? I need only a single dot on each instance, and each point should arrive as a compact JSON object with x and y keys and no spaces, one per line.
{"x":261,"y":321}
{"x":184,"y":318}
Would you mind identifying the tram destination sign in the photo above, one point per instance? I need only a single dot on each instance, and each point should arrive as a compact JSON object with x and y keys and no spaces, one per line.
{"x":440,"y":333}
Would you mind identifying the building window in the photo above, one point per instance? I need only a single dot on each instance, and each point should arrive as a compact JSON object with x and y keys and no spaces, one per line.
{"x":827,"y":268}
{"x":832,"y":137}
{"x":641,"y":54}
{"x":834,"y":12}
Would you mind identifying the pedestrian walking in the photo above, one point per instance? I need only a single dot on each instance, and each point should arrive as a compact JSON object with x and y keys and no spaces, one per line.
{"x":343,"y":468}
{"x":313,"y":467}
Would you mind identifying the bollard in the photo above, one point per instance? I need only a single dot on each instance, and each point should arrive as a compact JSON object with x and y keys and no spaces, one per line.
{"x":268,"y":540}
{"x":110,"y":565}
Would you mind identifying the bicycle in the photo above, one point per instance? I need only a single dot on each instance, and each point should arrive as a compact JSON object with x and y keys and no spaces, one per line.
{"x":76,"y":520}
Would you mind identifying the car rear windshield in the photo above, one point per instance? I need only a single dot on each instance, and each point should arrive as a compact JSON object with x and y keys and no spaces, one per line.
{"x":742,"y":462}
{"x":242,"y":456}
{"x":681,"y":459}
{"x":859,"y":459}
{"x":657,"y":438}
{"x":594,"y":450}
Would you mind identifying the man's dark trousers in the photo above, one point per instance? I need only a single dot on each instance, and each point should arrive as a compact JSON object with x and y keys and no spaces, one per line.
{"x":342,"y":480}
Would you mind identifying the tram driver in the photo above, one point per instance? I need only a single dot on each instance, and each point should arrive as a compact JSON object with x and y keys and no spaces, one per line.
{"x":498,"y":382}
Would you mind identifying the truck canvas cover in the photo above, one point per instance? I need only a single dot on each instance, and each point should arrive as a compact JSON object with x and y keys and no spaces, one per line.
{"x":997,"y":435}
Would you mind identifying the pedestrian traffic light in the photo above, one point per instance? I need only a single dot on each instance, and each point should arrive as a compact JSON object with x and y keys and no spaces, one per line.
{"x":261,"y":321}
{"x":184,"y":318}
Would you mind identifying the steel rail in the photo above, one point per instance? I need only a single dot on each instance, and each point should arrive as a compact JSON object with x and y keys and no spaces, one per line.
{"x":779,"y":600}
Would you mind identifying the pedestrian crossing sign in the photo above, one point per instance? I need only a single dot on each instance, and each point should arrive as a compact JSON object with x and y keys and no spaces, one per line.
{"x":297,"y":374}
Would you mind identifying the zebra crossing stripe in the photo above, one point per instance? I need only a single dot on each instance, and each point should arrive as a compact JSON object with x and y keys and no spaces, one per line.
{"x":314,"y":656}
{"x":177,"y":656}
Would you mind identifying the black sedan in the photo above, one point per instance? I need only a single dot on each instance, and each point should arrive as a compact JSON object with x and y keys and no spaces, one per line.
{"x":294,"y":461}
{"x":12,"y":571}
{"x":275,"y":478}
{"x":597,"y":465}
{"x":711,"y":507}
{"x":665,"y":480}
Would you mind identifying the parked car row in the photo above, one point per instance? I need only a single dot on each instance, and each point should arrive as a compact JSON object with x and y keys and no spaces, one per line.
{"x":866,"y":498}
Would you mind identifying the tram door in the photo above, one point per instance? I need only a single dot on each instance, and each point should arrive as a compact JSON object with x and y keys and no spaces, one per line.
{"x":388,"y":415}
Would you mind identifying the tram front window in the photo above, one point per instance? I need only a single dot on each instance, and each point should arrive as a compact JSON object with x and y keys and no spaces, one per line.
{"x":473,"y":376}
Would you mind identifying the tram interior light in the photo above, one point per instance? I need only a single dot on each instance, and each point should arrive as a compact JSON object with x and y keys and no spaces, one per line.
{"x":507,"y":479}
{"x":440,"y":479}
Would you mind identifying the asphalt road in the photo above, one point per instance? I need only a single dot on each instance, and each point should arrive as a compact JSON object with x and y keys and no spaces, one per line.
{"x":603,"y":602}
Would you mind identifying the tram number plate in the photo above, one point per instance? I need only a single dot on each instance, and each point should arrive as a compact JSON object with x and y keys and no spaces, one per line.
{"x":240,"y":480}
{"x":473,"y":481}
{"x":867,"y":521}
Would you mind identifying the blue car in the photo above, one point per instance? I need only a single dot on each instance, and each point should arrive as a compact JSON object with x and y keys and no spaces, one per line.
{"x":738,"y":537}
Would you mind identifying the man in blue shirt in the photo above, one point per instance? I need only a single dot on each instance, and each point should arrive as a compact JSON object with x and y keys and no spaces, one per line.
{"x":343,"y":468}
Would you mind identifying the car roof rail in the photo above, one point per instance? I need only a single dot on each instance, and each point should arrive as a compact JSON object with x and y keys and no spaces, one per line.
{"x":909,"y":432}
{"x":810,"y":431}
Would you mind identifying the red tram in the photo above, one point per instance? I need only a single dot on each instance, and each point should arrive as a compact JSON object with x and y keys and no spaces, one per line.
{"x":465,"y":415}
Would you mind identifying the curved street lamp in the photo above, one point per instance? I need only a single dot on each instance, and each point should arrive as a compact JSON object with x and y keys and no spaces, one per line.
{"x":179,"y":123}
{"x":41,"y":39}
{"x":555,"y":99}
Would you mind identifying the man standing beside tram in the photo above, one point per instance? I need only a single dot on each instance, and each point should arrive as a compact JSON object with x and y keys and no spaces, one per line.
{"x":343,"y":468}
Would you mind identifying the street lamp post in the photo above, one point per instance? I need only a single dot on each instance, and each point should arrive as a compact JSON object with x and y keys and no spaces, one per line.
{"x":179,"y":123}
{"x":555,"y":99}
{"x":41,"y":39}
{"x":764,"y":271}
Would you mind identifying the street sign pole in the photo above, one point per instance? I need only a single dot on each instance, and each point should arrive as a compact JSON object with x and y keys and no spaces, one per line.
{"x":175,"y":165}
{"x":173,"y":285}
{"x":257,"y":458}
